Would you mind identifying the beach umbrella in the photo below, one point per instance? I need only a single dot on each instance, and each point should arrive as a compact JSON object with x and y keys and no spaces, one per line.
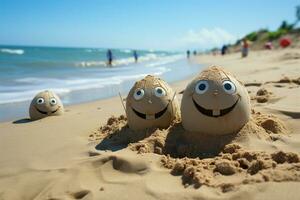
{"x":285,"y":42}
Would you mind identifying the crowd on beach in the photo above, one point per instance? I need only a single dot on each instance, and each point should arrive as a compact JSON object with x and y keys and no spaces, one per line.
{"x":284,"y":42}
{"x":245,"y":46}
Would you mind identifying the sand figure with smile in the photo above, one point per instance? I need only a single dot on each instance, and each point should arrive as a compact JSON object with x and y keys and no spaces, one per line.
{"x":215,"y":103}
{"x":151,"y":103}
{"x":45,"y":104}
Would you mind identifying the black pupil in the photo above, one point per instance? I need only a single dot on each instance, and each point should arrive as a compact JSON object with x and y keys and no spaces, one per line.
{"x":139,"y":92}
{"x":227,"y":86}
{"x":40,"y":100}
{"x":159,"y":91}
{"x":202,"y":86}
{"x":53,"y":101}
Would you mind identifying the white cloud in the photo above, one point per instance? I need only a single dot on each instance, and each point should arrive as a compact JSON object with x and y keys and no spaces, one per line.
{"x":207,"y":38}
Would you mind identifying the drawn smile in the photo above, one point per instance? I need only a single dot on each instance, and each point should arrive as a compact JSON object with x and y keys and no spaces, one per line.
{"x":147,"y":116}
{"x":45,"y":113}
{"x":211,"y":113}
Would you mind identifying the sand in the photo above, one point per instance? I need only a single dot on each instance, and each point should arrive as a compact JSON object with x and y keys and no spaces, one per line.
{"x":87,"y":154}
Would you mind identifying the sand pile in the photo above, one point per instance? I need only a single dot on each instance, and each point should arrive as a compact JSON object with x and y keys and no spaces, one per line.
{"x":270,"y":123}
{"x":207,"y":160}
{"x":263,"y":95}
{"x":290,"y":56}
{"x":286,"y":79}
{"x":235,"y":166}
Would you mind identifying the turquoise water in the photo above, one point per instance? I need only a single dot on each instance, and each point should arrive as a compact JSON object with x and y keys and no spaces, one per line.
{"x":78,"y":74}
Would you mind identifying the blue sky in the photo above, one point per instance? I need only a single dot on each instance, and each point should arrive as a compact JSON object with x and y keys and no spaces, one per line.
{"x":139,"y":24}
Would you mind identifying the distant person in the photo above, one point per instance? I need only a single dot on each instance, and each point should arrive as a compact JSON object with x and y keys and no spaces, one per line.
{"x":195,"y":53}
{"x":109,"y":56}
{"x":188,"y":53}
{"x":224,"y":50}
{"x":245,"y":48}
{"x":135,"y":55}
{"x":269,"y":45}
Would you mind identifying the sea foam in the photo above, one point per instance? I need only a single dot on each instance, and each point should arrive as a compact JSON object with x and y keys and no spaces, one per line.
{"x":13,"y":51}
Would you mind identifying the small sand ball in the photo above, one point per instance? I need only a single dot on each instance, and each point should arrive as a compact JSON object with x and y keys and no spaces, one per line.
{"x":151,"y":103}
{"x":189,"y":173}
{"x":282,"y":157}
{"x":243,"y":163}
{"x":231,"y":148}
{"x":258,"y":165}
{"x":178,"y":168}
{"x":262,"y":92}
{"x":244,"y":154}
{"x":262,"y":99}
{"x":111,"y":120}
{"x":225,"y":167}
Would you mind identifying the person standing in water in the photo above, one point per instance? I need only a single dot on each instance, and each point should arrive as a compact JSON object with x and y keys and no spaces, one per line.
{"x":224,"y":50}
{"x":188,"y":53}
{"x":135,"y":55}
{"x":245,"y":48}
{"x":109,"y":57}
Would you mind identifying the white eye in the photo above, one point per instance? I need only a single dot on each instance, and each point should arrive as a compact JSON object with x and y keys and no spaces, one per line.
{"x":159,"y":92}
{"x":138,"y":94}
{"x":229,"y":87}
{"x":53,"y":101}
{"x":201,"y":87}
{"x":40,"y":100}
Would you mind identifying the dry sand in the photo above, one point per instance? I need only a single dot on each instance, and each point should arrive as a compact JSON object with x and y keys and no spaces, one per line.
{"x":87,"y":154}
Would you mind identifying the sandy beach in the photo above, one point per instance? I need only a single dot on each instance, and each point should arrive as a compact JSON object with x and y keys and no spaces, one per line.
{"x":56,"y":157}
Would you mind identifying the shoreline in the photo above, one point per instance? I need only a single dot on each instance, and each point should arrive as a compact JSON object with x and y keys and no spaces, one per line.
{"x":174,"y":70}
{"x":80,"y":107}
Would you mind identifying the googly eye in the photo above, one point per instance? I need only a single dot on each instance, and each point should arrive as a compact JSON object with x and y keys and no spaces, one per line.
{"x":159,"y":92}
{"x":201,"y":87}
{"x":53,"y":101}
{"x":40,"y":100}
{"x":229,"y":87}
{"x":138,"y":94}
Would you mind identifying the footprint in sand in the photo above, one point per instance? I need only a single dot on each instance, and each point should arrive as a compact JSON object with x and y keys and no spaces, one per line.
{"x":81,"y":194}
{"x":120,"y":168}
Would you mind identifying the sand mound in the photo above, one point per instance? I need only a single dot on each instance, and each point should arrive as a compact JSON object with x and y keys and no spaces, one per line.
{"x":289,"y":80}
{"x":290,"y":56}
{"x":270,"y":123}
{"x":247,"y":167}
{"x":207,"y":160}
{"x":263,"y":95}
{"x":262,"y":92}
{"x":177,"y":142}
{"x":286,"y":79}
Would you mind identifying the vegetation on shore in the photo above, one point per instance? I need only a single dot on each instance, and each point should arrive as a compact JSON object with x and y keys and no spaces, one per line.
{"x":259,"y":38}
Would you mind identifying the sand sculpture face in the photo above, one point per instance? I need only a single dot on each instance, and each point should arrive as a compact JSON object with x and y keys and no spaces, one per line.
{"x":45,"y":104}
{"x":215,"y":103}
{"x":150,"y":103}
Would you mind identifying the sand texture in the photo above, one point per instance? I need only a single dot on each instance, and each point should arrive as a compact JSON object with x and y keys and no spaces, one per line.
{"x":87,"y":153}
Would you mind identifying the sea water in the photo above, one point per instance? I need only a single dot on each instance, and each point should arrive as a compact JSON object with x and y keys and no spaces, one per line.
{"x":78,"y":75}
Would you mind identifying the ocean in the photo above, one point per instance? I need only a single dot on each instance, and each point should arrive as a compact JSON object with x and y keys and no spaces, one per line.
{"x":78,"y":75}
